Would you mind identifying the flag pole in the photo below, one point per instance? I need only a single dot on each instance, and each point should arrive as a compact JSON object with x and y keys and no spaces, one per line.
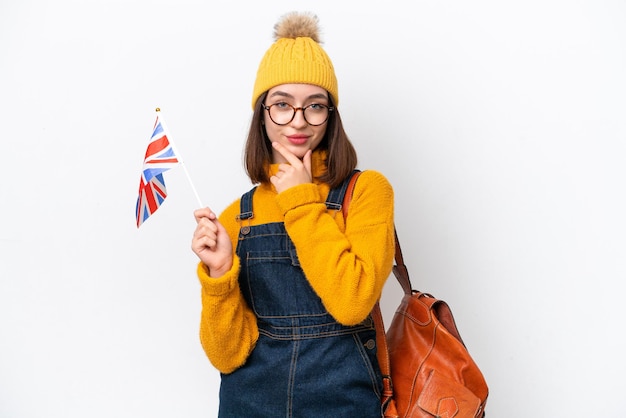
{"x":179,"y":156}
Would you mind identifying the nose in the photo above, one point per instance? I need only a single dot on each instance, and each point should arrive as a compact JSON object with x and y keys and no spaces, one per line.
{"x":298,"y":118}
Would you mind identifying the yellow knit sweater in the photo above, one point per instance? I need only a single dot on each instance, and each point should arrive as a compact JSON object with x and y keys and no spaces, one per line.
{"x":347,"y":267}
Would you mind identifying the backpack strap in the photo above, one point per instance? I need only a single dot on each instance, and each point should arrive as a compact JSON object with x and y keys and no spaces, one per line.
{"x":382,"y":354}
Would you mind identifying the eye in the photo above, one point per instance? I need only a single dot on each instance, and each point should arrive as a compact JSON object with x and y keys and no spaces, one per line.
{"x":281,"y":105}
{"x":316,"y":107}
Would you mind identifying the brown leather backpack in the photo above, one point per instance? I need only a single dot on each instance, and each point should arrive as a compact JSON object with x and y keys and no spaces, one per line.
{"x":427,"y":370}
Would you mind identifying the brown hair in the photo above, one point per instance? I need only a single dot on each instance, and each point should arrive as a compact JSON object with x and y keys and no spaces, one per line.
{"x":341,"y":156}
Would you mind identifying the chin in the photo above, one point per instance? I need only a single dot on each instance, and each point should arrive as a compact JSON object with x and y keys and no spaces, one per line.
{"x":298,"y":151}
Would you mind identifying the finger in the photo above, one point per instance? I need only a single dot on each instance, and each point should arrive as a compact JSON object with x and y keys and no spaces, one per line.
{"x":206,"y":234}
{"x":293,"y":160}
{"x":204,"y":213}
{"x":283,"y":168}
{"x":306,"y":160}
{"x":206,"y":226}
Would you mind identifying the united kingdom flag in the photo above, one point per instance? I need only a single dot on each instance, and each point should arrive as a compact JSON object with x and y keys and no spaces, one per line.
{"x":160,"y":157}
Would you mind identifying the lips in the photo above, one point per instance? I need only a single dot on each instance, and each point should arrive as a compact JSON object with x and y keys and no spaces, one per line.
{"x":297,"y":139}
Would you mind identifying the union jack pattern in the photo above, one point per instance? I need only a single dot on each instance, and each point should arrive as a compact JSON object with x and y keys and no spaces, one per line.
{"x":159,"y":158}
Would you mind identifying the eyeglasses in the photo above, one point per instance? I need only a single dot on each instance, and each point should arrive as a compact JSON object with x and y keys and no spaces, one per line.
{"x":282,"y":113}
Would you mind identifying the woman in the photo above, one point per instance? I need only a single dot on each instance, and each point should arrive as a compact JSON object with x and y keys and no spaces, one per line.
{"x":287,"y":282}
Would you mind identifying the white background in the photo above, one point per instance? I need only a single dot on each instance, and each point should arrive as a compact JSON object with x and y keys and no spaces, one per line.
{"x":501,"y":126}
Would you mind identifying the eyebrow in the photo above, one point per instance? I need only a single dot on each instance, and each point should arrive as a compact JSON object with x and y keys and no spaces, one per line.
{"x":313,"y":96}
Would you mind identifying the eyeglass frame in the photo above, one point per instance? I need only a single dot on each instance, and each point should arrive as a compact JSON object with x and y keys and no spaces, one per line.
{"x":295,"y":110}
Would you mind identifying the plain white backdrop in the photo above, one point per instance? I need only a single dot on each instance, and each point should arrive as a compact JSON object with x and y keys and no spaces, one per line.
{"x":501,"y":126}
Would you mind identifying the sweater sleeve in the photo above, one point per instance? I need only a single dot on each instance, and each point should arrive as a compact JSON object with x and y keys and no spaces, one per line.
{"x":347,"y":269}
{"x":228,"y":327}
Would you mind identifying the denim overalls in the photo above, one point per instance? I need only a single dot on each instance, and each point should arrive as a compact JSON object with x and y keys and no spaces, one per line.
{"x":305,"y":364}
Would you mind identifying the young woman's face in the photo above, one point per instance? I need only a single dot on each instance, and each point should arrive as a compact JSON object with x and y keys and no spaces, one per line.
{"x":298,"y":135}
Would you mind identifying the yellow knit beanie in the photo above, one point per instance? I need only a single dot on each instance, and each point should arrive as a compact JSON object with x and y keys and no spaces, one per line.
{"x":296,"y":57}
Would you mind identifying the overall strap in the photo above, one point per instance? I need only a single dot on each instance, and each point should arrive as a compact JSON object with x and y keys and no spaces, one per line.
{"x":335,"y":198}
{"x":245,"y":205}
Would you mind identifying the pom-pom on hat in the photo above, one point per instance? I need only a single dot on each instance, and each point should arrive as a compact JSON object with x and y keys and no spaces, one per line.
{"x":296,"y":56}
